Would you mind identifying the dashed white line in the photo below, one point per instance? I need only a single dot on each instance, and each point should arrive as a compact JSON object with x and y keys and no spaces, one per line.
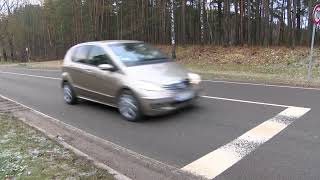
{"x":265,"y":85}
{"x":216,"y":162}
{"x":29,"y":75}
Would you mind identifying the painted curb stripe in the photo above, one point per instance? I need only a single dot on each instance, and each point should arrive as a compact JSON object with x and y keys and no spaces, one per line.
{"x":216,"y":162}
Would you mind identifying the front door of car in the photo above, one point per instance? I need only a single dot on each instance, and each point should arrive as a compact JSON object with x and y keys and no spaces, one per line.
{"x":102,"y":84}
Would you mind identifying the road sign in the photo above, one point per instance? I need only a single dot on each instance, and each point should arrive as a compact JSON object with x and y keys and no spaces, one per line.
{"x":316,"y":22}
{"x":316,"y":14}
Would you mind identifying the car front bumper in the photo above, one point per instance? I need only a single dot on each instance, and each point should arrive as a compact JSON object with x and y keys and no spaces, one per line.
{"x":152,"y":106}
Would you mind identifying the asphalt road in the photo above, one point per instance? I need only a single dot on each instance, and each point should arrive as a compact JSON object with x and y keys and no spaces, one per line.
{"x":184,"y":137}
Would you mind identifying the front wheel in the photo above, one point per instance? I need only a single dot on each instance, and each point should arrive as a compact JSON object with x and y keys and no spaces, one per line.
{"x":69,"y":95}
{"x":129,"y":107}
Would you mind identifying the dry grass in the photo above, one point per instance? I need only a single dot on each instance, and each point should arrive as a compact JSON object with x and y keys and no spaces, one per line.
{"x":214,"y":55}
{"x":279,"y":65}
{"x":269,"y":65}
{"x":56,"y":64}
{"x":44,"y":65}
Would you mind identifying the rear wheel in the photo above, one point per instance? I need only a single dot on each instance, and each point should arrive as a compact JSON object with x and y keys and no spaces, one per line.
{"x":129,"y":107}
{"x":69,"y":95}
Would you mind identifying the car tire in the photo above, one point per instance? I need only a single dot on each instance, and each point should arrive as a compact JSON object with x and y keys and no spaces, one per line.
{"x":69,"y":95}
{"x":128,"y":106}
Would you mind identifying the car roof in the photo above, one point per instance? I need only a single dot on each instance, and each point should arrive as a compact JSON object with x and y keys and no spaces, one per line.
{"x":109,"y":42}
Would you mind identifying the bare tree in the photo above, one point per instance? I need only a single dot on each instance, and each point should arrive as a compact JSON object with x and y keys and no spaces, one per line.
{"x":173,"y":31}
{"x":183,"y":21}
{"x":202,"y":6}
{"x":290,"y":29}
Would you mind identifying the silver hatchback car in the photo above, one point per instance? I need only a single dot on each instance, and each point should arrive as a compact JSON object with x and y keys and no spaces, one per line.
{"x":133,"y":76}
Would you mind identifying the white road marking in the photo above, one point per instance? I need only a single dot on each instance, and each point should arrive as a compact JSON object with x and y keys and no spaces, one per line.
{"x":244,"y":101}
{"x":207,"y":97}
{"x":29,"y":75}
{"x":265,"y":85}
{"x":216,"y":162}
{"x":33,"y":69}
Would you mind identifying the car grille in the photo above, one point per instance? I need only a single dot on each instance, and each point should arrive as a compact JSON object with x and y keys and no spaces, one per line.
{"x":183,"y":85}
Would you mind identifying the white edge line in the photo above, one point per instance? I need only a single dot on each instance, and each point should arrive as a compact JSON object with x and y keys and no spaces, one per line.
{"x":218,"y":161}
{"x":208,"y":97}
{"x":34,"y":69}
{"x":257,"y":84}
{"x":29,"y":75}
{"x":249,"y":102}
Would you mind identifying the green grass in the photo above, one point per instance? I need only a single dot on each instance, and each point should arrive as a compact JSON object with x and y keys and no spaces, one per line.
{"x":27,"y":154}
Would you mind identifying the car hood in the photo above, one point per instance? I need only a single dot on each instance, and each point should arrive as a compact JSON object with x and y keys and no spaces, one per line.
{"x":160,"y":73}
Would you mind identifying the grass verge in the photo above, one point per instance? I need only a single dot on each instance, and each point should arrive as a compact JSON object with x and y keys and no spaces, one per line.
{"x":270,"y":65}
{"x":27,"y":154}
{"x":267,"y":75}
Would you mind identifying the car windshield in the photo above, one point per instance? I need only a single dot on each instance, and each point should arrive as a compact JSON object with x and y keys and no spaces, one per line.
{"x":132,"y":54}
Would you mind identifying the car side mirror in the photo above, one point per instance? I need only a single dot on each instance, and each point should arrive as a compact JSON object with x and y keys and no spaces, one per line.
{"x":106,"y":67}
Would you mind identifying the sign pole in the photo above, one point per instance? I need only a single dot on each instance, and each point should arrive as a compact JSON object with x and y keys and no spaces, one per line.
{"x":311,"y":53}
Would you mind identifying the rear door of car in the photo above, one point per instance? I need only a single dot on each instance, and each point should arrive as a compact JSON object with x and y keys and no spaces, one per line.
{"x":79,"y":68}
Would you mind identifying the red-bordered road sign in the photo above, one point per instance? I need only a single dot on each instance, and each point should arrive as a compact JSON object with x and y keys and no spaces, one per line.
{"x":316,"y":14}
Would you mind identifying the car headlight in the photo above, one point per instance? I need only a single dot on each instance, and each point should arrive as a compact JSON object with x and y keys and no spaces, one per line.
{"x":148,"y":86}
{"x":194,"y":78}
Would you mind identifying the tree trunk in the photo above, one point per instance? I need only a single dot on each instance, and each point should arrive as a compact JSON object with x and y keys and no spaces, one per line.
{"x":266,"y":22}
{"x":249,"y":23}
{"x":226,"y":29}
{"x":220,"y":28}
{"x":5,"y":57}
{"x":298,"y":21}
{"x":294,"y":23}
{"x":173,"y":32}
{"x":237,"y":23}
{"x":271,"y":24}
{"x":241,"y":21}
{"x":202,"y":6}
{"x":290,"y":37}
{"x":258,"y":23}
{"x":310,"y":24}
{"x":183,"y":19}
{"x":282,"y":38}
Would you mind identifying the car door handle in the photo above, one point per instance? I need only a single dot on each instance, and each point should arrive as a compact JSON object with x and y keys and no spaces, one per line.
{"x":88,"y":70}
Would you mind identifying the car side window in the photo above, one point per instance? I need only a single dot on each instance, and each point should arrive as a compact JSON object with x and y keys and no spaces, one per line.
{"x":81,"y":54}
{"x":98,"y":56}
